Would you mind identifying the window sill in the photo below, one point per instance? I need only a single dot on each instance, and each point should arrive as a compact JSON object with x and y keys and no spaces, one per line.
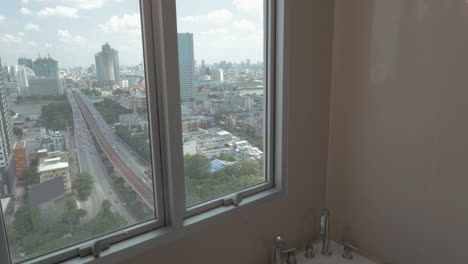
{"x":161,"y":236}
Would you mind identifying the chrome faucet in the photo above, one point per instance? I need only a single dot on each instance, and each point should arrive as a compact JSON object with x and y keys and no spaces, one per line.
{"x":324,"y":224}
{"x":280,"y":249}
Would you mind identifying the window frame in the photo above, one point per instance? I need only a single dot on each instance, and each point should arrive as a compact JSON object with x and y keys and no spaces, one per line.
{"x":269,"y":44}
{"x":159,"y":30}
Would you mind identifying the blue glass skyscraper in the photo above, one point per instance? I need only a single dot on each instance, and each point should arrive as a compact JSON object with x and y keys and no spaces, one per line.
{"x":186,"y":66}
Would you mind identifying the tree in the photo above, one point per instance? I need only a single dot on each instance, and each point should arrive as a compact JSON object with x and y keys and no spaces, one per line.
{"x":18,"y":132}
{"x":89,"y":92}
{"x":218,"y":118}
{"x":34,"y":162}
{"x":196,"y":166}
{"x":139,"y":143}
{"x":56,"y":116}
{"x":27,"y":220}
{"x":72,"y":214}
{"x":226,"y":157}
{"x":120,"y":91}
{"x":83,"y":185}
{"x":31,"y":176}
{"x":110,"y":110}
{"x":239,"y":169}
{"x":106,"y":205}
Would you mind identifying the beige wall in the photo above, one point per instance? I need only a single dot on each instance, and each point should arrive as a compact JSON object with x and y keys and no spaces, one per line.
{"x":247,"y":238}
{"x":398,"y":156}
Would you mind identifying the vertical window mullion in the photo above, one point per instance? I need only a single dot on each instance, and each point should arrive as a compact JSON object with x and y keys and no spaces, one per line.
{"x":150,"y":67}
{"x":166,"y":49}
{"x":270,"y":90}
{"x":282,"y":95}
{"x":4,"y":251}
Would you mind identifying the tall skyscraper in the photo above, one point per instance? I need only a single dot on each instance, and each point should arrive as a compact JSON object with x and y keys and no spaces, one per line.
{"x":46,"y":67}
{"x":25,"y":62}
{"x":7,"y":139}
{"x":186,"y":66}
{"x":107,"y":65}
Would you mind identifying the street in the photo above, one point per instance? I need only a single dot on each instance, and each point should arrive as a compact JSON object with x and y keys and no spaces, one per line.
{"x":89,"y":161}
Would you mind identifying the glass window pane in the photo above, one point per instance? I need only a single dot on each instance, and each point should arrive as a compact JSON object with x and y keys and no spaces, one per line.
{"x":222,"y":89}
{"x":75,"y":159}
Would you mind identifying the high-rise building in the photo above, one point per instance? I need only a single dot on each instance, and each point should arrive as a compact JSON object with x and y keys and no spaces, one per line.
{"x":25,"y":62}
{"x":46,"y":67}
{"x":16,"y":79}
{"x":107,"y":65}
{"x":44,"y":87}
{"x":7,"y":139}
{"x":21,"y":161}
{"x":217,"y":75}
{"x":186,"y":66}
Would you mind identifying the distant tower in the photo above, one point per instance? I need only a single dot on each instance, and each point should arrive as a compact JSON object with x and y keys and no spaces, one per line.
{"x":46,"y":67}
{"x":25,"y":62}
{"x":107,"y":64}
{"x":186,"y":66}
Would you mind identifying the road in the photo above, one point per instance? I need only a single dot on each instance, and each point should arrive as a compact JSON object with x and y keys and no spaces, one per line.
{"x":142,"y":187}
{"x":89,"y":161}
{"x":124,"y":151}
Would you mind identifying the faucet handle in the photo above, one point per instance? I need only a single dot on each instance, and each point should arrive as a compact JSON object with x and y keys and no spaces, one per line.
{"x":309,"y":251}
{"x":291,"y":258}
{"x":348,"y":250}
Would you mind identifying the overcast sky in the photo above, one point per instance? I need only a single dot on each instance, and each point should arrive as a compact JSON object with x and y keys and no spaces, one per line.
{"x":72,"y":31}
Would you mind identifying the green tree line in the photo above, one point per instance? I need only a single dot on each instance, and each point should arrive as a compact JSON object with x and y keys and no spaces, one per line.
{"x":32,"y":235}
{"x":139,"y":142}
{"x":56,"y":116}
{"x":110,"y":110}
{"x":202,"y":185}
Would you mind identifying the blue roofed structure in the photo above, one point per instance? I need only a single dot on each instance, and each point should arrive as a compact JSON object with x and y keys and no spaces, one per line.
{"x":216,"y":165}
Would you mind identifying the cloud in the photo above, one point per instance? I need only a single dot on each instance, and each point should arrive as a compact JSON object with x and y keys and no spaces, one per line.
{"x":128,"y":23}
{"x":216,"y":16}
{"x":77,"y":4}
{"x":215,"y":31}
{"x":2,"y":18}
{"x":32,"y":27}
{"x":63,"y":11}
{"x":12,"y":39}
{"x":66,"y":37}
{"x":32,"y":44}
{"x":86,"y":4}
{"x":25,"y":11}
{"x":245,"y":25}
{"x":248,"y":5}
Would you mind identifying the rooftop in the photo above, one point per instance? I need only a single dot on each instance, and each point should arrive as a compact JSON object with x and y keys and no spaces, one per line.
{"x":52,"y":160}
{"x":20,"y":144}
{"x":223,"y":133}
{"x":48,"y":167}
{"x":47,"y":191}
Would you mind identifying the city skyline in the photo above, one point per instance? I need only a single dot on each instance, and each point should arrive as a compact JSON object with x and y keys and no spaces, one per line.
{"x":76,"y":125}
{"x":80,"y":28}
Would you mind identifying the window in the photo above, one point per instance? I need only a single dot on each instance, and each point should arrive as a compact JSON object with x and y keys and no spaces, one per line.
{"x":134,"y":116}
{"x":223,"y":97}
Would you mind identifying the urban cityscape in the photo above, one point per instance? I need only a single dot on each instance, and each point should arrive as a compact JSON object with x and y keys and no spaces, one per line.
{"x":75,"y":148}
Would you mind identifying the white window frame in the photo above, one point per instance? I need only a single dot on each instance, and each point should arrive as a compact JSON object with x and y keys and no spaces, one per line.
{"x":174,"y":219}
{"x":269,"y":122}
